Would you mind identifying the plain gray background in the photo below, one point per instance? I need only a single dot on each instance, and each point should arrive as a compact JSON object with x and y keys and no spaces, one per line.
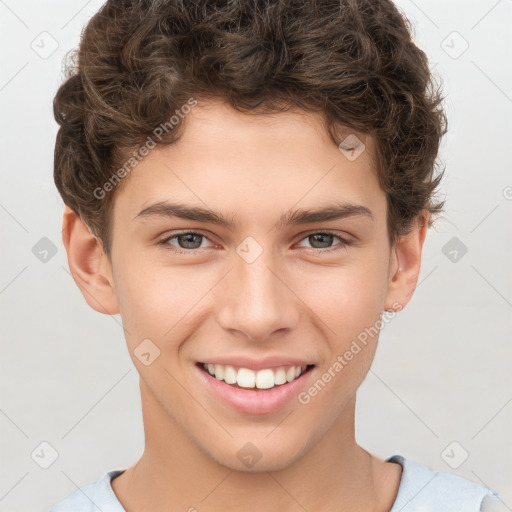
{"x":440,"y":387}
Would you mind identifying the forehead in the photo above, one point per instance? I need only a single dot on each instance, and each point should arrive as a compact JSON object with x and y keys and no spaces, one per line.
{"x":244,"y":164}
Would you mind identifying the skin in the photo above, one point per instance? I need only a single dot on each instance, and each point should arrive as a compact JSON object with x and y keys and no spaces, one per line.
{"x":288,"y":301}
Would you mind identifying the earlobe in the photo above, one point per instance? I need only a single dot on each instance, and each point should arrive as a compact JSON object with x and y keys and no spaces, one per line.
{"x":405,"y":264}
{"x":88,"y":264}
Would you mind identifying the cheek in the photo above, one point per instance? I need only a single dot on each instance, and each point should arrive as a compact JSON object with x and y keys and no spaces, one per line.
{"x":348,"y":298}
{"x":348,"y":301}
{"x":155,"y":301}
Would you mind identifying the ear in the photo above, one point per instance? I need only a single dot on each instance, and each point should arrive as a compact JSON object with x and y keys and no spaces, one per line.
{"x":89,"y":265}
{"x":405,"y":263}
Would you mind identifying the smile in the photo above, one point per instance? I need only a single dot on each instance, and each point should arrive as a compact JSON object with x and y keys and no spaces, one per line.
{"x":255,"y":391}
{"x":262,"y":379}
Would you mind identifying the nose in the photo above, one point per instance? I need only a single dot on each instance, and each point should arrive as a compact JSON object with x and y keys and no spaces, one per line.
{"x":257,"y":301}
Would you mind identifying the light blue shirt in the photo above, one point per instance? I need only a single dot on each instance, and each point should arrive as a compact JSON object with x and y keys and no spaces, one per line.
{"x":421,"y":490}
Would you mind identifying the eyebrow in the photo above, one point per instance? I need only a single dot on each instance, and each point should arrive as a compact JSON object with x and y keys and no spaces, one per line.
{"x":297,"y":217}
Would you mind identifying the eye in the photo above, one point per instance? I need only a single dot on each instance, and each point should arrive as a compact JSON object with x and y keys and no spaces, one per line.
{"x":187,"y":241}
{"x":322,"y":242}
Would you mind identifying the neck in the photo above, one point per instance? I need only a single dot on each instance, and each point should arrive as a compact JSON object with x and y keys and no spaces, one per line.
{"x":335,"y":474}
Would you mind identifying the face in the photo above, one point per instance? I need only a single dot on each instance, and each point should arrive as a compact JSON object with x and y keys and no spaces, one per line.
{"x":272,"y":287}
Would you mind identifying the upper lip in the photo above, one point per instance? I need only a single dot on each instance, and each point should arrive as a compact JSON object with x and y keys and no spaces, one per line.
{"x":257,"y":364}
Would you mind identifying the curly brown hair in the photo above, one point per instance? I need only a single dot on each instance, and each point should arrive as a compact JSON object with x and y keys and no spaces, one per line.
{"x":353,"y":61}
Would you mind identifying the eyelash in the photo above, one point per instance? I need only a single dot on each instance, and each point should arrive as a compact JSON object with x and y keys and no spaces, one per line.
{"x":344,"y":243}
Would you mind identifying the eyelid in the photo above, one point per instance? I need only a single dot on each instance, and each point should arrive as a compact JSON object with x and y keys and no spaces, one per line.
{"x":175,"y":234}
{"x":334,"y":232}
{"x":344,"y":241}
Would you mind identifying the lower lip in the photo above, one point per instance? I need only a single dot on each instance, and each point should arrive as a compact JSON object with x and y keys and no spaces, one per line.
{"x":251,"y":401}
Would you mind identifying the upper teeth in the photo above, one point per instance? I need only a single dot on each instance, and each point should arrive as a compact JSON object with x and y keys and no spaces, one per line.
{"x":247,"y":378}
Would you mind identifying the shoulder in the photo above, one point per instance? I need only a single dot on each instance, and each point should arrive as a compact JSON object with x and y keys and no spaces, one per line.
{"x":423,"y":490}
{"x":94,"y":497}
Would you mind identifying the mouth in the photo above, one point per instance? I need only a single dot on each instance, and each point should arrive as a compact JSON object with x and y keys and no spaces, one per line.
{"x":257,"y":391}
{"x":256,"y":380}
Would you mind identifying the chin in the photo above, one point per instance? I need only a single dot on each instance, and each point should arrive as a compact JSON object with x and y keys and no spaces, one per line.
{"x":257,"y":456}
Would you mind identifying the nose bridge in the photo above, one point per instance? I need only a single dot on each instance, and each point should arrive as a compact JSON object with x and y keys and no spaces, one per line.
{"x":256,"y":301}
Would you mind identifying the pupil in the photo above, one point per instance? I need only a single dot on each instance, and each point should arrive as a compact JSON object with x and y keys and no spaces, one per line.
{"x":189,"y":241}
{"x":322,"y":239}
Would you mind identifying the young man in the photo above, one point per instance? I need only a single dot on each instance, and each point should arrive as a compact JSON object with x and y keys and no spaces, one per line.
{"x":249,"y":184}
